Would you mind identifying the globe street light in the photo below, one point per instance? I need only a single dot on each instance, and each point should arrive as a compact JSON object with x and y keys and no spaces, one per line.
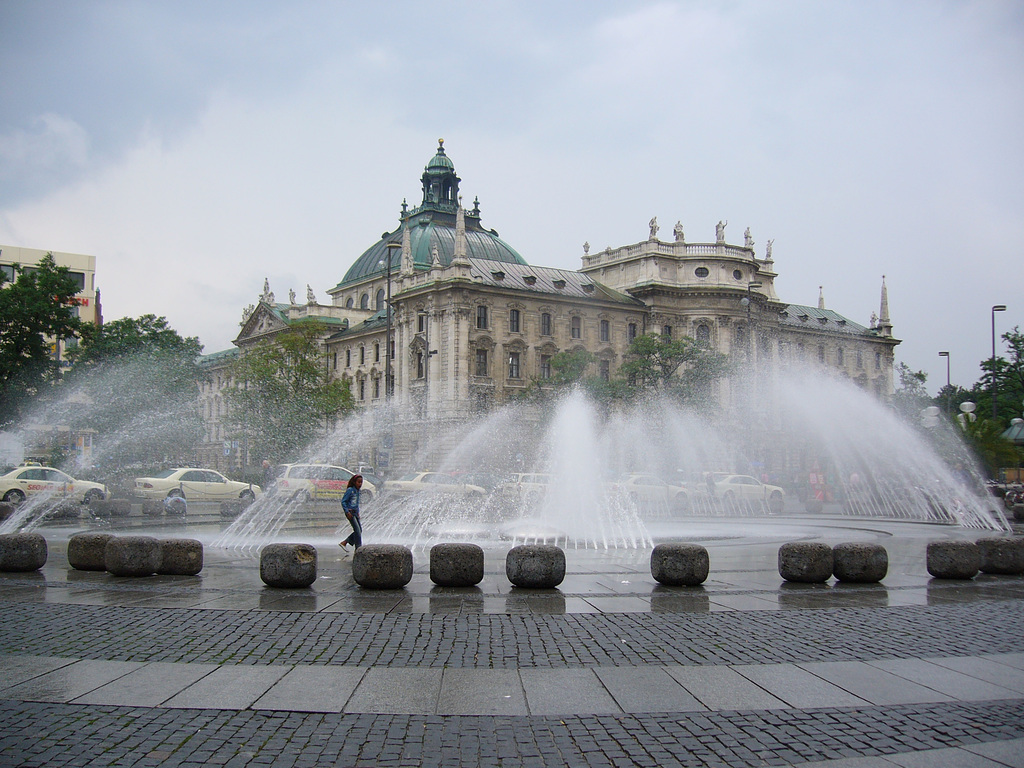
{"x":996,"y":308}
{"x":946,"y":355}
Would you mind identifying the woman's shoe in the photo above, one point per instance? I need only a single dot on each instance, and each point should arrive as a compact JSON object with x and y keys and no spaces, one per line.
{"x":343,"y":545}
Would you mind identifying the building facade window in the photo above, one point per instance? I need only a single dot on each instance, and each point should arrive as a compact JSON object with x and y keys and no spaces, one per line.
{"x":481,"y":362}
{"x":576,"y":328}
{"x":481,"y":317}
{"x":878,"y":361}
{"x":379,"y":302}
{"x":631,"y":333}
{"x":376,"y":352}
{"x":839,"y":356}
{"x":860,"y":358}
{"x":513,"y":365}
{"x":362,"y":355}
{"x":545,"y":324}
{"x":335,"y":361}
{"x":666,"y":331}
{"x":821,"y":353}
{"x":704,"y":335}
{"x":364,"y":301}
{"x":362,"y":389}
{"x":545,"y":366}
{"x":605,"y":370}
{"x":606,"y":330}
{"x":348,"y":358}
{"x":421,"y":322}
{"x":513,"y":321}
{"x":376,"y":387}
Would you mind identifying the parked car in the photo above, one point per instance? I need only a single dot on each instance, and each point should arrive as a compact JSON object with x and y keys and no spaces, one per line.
{"x":194,"y":484}
{"x":24,"y":481}
{"x":315,"y":482}
{"x":433,"y":482}
{"x":651,"y":490}
{"x":525,"y":487}
{"x":738,"y":489}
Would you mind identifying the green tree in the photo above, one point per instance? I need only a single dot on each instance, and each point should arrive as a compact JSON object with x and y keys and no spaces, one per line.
{"x":569,"y":368}
{"x":35,"y":309}
{"x":682,"y":368}
{"x":911,"y":395}
{"x":984,"y":437}
{"x":133,"y":381}
{"x":1009,"y":379}
{"x":283,"y":396}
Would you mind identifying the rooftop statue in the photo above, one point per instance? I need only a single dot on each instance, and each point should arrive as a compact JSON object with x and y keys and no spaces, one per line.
{"x":654,"y":227}
{"x":720,"y":231}
{"x":586,"y":247}
{"x":768,"y":251}
{"x":310,"y":296}
{"x":680,"y":237}
{"x":291,"y":296}
{"x":748,"y":240}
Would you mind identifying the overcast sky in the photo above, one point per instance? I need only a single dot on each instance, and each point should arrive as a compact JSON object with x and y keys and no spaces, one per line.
{"x":197,"y":148}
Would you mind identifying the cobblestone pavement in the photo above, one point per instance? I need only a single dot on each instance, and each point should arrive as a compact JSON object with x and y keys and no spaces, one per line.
{"x":743,"y":672}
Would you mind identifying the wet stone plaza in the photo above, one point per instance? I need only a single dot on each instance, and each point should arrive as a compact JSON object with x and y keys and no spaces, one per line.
{"x":609,"y":669}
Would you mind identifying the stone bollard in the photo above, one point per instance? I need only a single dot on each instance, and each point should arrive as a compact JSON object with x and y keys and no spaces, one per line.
{"x":814,"y":506}
{"x":65,"y":509}
{"x":953,"y":559}
{"x":230,"y":509}
{"x":108,"y":508}
{"x":87,"y":551}
{"x":809,"y":562}
{"x":456,"y":565}
{"x":535,"y":566}
{"x":180,"y":557}
{"x":22,"y":552}
{"x":382,"y":566}
{"x":152,"y":507}
{"x":860,"y":563}
{"x":6,"y":510}
{"x":132,"y":556}
{"x":289,"y":566}
{"x":1002,"y":555}
{"x":679,"y":565}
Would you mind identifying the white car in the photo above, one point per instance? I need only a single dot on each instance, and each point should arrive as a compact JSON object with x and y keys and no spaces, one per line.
{"x":433,"y":482}
{"x":22,"y":482}
{"x":651,"y":490}
{"x":194,"y":484}
{"x":526,"y":487}
{"x":314,"y":482}
{"x":738,"y":489}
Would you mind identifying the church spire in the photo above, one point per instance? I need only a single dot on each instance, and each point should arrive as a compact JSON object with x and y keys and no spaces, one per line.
{"x":884,"y":322}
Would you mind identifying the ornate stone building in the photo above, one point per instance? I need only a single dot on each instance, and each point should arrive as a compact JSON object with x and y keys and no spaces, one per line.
{"x":473,"y":323}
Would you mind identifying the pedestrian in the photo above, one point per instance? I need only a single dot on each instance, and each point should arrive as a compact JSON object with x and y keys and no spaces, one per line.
{"x":268,"y":475}
{"x":350,"y":505}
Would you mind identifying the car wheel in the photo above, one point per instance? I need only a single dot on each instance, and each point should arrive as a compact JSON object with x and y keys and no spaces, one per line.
{"x":247,"y":497}
{"x":92,"y":496}
{"x":175,"y":493}
{"x":14,"y":496}
{"x":776,"y":503}
{"x":303,"y":497}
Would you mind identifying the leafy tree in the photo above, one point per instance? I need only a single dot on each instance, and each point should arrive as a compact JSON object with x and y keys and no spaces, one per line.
{"x":911,"y":395}
{"x":133,"y":380}
{"x":283,"y":396}
{"x":1009,"y":379}
{"x":984,"y":437}
{"x":682,"y":368}
{"x":569,"y":368}
{"x":35,"y":309}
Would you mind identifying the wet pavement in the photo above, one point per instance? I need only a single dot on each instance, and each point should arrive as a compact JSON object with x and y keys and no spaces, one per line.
{"x":609,"y":669}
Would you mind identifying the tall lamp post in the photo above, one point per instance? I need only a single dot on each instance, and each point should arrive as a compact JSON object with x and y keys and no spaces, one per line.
{"x":946,"y":355}
{"x":996,"y":308}
{"x":391,"y":248}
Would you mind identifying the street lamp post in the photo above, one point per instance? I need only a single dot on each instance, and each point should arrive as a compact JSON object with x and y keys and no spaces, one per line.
{"x":391,"y":248}
{"x":946,"y":355}
{"x":996,"y":308}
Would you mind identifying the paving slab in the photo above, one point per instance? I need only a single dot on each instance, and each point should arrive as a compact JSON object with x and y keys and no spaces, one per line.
{"x":946,"y":758}
{"x":309,"y":688}
{"x":398,"y":690}
{"x":235,"y":686}
{"x":17,"y":669}
{"x":797,"y":687}
{"x":647,"y":689}
{"x":719,"y":688}
{"x":874,"y":685}
{"x":481,"y":692}
{"x":566,"y":692}
{"x":1007,"y":753}
{"x":71,"y":681}
{"x":149,"y":686}
{"x":956,"y":685}
{"x":990,"y":669}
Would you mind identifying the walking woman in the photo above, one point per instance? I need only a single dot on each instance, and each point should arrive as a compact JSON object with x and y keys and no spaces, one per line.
{"x":350,"y":505}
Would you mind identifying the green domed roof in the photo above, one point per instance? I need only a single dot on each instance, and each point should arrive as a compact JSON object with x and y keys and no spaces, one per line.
{"x":432,"y":227}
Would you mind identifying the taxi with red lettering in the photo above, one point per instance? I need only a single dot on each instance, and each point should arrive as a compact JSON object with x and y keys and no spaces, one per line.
{"x":22,"y":482}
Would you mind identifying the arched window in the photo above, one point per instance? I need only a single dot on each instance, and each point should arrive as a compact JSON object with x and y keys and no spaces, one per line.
{"x":703,"y":334}
{"x":379,"y":303}
{"x":364,"y":301}
{"x":349,"y":304}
